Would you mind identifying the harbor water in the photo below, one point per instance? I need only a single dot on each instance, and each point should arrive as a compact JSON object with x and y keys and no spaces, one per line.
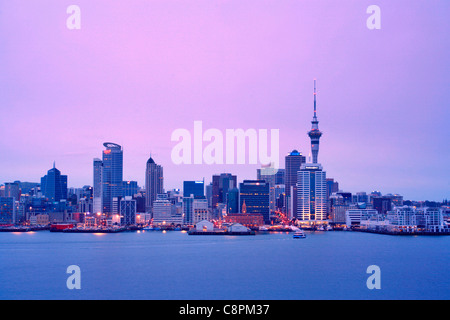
{"x":174,"y":265}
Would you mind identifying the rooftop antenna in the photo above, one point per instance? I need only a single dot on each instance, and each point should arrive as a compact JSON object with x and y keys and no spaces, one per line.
{"x":315,"y":94}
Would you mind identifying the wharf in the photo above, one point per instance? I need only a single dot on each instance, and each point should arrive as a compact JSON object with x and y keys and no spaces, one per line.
{"x":398,"y":233}
{"x":221,"y":233}
{"x":111,"y":230}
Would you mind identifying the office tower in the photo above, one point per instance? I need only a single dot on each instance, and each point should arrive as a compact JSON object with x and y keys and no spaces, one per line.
{"x":12,"y":190}
{"x":162,"y":209}
{"x":220,"y":186}
{"x":293,"y":161}
{"x":314,"y":134}
{"x":312,"y":193}
{"x":280,"y":193}
{"x":397,"y":200}
{"x":382,"y":204}
{"x":7,"y":210}
{"x":112,"y":175}
{"x":268,"y":174}
{"x":188,"y":209}
{"x":255,"y":195}
{"x":195,"y":188}
{"x":129,"y":188}
{"x":233,"y":201}
{"x":208,"y":193}
{"x":127,"y":211}
{"x":54,"y":185}
{"x":361,"y":197}
{"x":279,"y":176}
{"x":200,"y":210}
{"x":332,"y":187}
{"x":97,"y":186}
{"x":154,"y":182}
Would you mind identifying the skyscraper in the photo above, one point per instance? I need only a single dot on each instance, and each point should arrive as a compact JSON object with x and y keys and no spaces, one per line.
{"x":54,"y":185}
{"x":97,"y":186}
{"x":154,"y":182}
{"x":314,"y":134}
{"x":220,"y":186}
{"x":269,"y":175}
{"x":312,"y":193}
{"x":112,"y":175}
{"x":255,"y":195}
{"x":195,"y":188}
{"x":293,"y":161}
{"x":7,"y":210}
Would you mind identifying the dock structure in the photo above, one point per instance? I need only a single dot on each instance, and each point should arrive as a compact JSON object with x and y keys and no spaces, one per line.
{"x":221,"y":233}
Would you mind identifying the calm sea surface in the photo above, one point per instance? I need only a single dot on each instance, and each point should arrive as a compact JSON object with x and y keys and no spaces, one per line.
{"x":174,"y":265}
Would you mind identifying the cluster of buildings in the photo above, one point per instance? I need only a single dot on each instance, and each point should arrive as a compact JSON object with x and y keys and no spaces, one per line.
{"x":300,"y":193}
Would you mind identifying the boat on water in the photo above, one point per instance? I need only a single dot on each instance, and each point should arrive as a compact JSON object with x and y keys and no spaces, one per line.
{"x":299,"y":235}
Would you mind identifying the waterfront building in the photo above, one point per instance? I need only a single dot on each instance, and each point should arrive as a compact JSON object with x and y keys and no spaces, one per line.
{"x":162,"y":210}
{"x":97,"y":205}
{"x":293,"y":161}
{"x":402,"y":219}
{"x":127,"y":211}
{"x":7,"y":210}
{"x":54,"y":185}
{"x":353,"y":217}
{"x":255,"y":195}
{"x":112,"y":175}
{"x":311,"y":193}
{"x":204,"y":226}
{"x":200,"y":210}
{"x":154,"y":182}
{"x":247,"y":219}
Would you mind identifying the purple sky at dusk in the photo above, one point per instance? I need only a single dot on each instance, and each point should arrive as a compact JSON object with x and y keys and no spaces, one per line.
{"x":138,"y":70}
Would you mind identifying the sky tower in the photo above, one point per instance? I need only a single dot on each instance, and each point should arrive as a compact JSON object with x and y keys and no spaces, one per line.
{"x":315,"y":134}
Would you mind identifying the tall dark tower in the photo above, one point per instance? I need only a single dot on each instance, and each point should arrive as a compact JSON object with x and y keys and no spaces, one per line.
{"x":315,"y":134}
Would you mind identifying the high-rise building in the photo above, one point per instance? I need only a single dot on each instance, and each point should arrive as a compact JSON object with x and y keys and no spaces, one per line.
{"x":255,"y":195}
{"x":293,"y":161}
{"x":127,"y":211}
{"x":269,"y":175}
{"x":154,"y":182}
{"x":312,"y":193}
{"x":195,"y":188}
{"x":314,"y":134}
{"x":233,"y":200}
{"x":97,"y":186}
{"x":220,"y":186}
{"x":208,"y":193}
{"x":112,"y":175}
{"x":12,"y":189}
{"x":54,"y":185}
{"x":7,"y":210}
{"x":200,"y":210}
{"x":129,"y":188}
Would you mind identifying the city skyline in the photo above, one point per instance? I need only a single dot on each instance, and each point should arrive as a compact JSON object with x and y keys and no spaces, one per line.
{"x":382,"y":94}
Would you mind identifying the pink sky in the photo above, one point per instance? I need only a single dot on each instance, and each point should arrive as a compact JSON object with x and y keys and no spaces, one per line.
{"x":138,"y":70}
